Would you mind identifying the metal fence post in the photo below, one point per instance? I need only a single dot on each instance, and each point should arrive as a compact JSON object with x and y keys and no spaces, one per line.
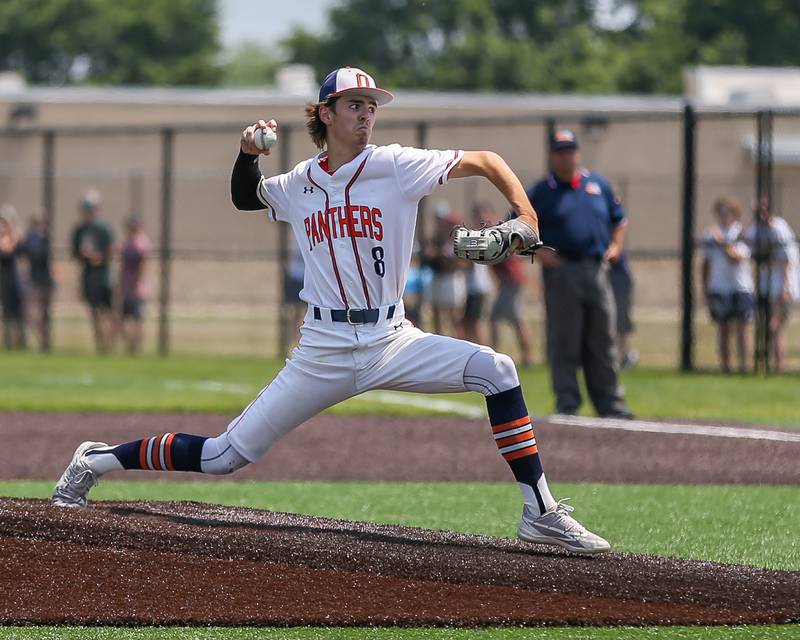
{"x":49,"y":212}
{"x":167,"y":139}
{"x":549,"y":131}
{"x":687,"y":238}
{"x":762,"y":251}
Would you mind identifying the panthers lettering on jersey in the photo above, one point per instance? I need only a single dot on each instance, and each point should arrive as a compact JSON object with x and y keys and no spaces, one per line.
{"x":355,"y":227}
{"x":355,"y":221}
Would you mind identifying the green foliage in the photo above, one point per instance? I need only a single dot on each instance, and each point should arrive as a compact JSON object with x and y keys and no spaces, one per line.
{"x":519,"y":45}
{"x":464,"y":44}
{"x":164,"y":42}
{"x":250,"y":65}
{"x":483,"y":45}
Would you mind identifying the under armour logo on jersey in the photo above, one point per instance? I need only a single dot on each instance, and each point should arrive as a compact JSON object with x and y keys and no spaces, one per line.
{"x":308,"y":189}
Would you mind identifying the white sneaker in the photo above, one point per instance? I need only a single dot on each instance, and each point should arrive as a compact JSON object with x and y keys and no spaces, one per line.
{"x":73,"y":487}
{"x":556,"y":526}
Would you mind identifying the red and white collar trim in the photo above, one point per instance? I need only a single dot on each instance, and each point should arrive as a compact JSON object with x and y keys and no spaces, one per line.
{"x":322,"y":161}
{"x":321,"y":169}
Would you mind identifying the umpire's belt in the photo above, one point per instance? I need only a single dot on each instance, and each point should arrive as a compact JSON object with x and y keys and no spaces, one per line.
{"x":354,"y":316}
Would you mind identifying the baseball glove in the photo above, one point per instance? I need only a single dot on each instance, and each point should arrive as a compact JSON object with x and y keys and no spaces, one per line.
{"x":491,"y":245}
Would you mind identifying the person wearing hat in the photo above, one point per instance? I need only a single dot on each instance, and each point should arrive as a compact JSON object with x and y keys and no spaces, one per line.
{"x":580,"y":217}
{"x":352,"y":209}
{"x":92,"y":243}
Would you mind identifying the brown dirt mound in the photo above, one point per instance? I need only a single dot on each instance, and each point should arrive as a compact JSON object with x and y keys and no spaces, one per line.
{"x":189,"y":563}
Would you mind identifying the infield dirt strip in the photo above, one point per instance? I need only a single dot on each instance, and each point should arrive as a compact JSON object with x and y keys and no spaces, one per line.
{"x":191,"y":563}
{"x":39,"y":445}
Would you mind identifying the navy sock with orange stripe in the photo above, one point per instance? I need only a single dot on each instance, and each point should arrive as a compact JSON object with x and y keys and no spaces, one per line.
{"x":514,"y":436}
{"x":167,"y":452}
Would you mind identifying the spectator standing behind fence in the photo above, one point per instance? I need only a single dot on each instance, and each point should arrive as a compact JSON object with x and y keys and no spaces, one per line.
{"x":11,"y":293}
{"x":132,"y":286}
{"x":511,"y":277}
{"x":478,"y":282}
{"x":622,"y":285}
{"x":728,"y":281}
{"x":582,"y":219}
{"x":448,"y":287}
{"x":92,"y":243}
{"x":775,"y":243}
{"x":41,"y":283}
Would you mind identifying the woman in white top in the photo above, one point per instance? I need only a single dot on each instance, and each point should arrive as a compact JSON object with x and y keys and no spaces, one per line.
{"x":779,"y":272}
{"x":728,"y":281}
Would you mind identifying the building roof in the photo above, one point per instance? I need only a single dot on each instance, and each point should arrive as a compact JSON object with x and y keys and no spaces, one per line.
{"x":405,"y":98}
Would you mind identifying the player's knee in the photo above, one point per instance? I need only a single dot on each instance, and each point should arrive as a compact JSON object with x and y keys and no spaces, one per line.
{"x":489,"y":372}
{"x":507,"y":377}
{"x":220,"y":458}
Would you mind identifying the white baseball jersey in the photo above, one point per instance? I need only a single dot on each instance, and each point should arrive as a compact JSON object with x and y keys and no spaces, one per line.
{"x":355,"y":228}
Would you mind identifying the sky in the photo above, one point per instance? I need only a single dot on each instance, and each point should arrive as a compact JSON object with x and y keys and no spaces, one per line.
{"x":268,"y":21}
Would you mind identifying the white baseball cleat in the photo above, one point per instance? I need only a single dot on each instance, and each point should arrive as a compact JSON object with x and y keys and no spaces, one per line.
{"x":73,"y":486}
{"x":556,"y":526}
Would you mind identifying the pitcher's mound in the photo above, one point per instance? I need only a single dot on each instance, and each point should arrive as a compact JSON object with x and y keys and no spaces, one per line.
{"x":189,"y":563}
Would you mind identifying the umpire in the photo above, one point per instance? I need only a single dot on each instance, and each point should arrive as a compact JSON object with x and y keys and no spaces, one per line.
{"x":582,"y":219}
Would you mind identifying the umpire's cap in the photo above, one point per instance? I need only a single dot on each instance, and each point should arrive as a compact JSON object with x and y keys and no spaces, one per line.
{"x":563,"y":139}
{"x":352,"y":80}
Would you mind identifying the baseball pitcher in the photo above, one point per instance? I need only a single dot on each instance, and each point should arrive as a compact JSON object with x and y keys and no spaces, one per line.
{"x":352,"y":209}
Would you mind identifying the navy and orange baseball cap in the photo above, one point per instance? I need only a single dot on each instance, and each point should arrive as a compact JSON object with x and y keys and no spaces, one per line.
{"x":563,"y":140}
{"x":352,"y":80}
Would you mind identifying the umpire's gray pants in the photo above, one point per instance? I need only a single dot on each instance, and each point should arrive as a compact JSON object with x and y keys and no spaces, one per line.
{"x":581,"y":321}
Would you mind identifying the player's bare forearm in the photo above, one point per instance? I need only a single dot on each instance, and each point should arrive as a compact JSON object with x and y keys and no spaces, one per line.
{"x":492,"y":167}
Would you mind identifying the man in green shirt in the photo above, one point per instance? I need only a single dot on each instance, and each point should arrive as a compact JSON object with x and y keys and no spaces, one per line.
{"x":92,"y":243}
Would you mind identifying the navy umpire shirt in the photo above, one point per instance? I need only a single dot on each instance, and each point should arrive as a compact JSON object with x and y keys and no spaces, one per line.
{"x":577,"y":217}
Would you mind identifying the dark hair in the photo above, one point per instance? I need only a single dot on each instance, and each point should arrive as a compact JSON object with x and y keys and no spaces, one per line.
{"x":314,"y":125}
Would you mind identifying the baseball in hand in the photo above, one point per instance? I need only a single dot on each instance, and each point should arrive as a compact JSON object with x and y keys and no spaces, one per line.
{"x":265,"y":138}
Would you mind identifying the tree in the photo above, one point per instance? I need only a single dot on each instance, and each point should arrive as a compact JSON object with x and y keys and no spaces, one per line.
{"x":548,"y":46}
{"x":250,"y":64}
{"x":463,"y":44}
{"x":115,"y":41}
{"x":664,"y":37}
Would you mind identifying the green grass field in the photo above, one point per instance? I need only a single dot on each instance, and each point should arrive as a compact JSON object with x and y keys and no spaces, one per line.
{"x":62,"y":382}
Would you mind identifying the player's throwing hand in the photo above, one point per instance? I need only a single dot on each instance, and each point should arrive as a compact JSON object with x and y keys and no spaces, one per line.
{"x":248,"y":142}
